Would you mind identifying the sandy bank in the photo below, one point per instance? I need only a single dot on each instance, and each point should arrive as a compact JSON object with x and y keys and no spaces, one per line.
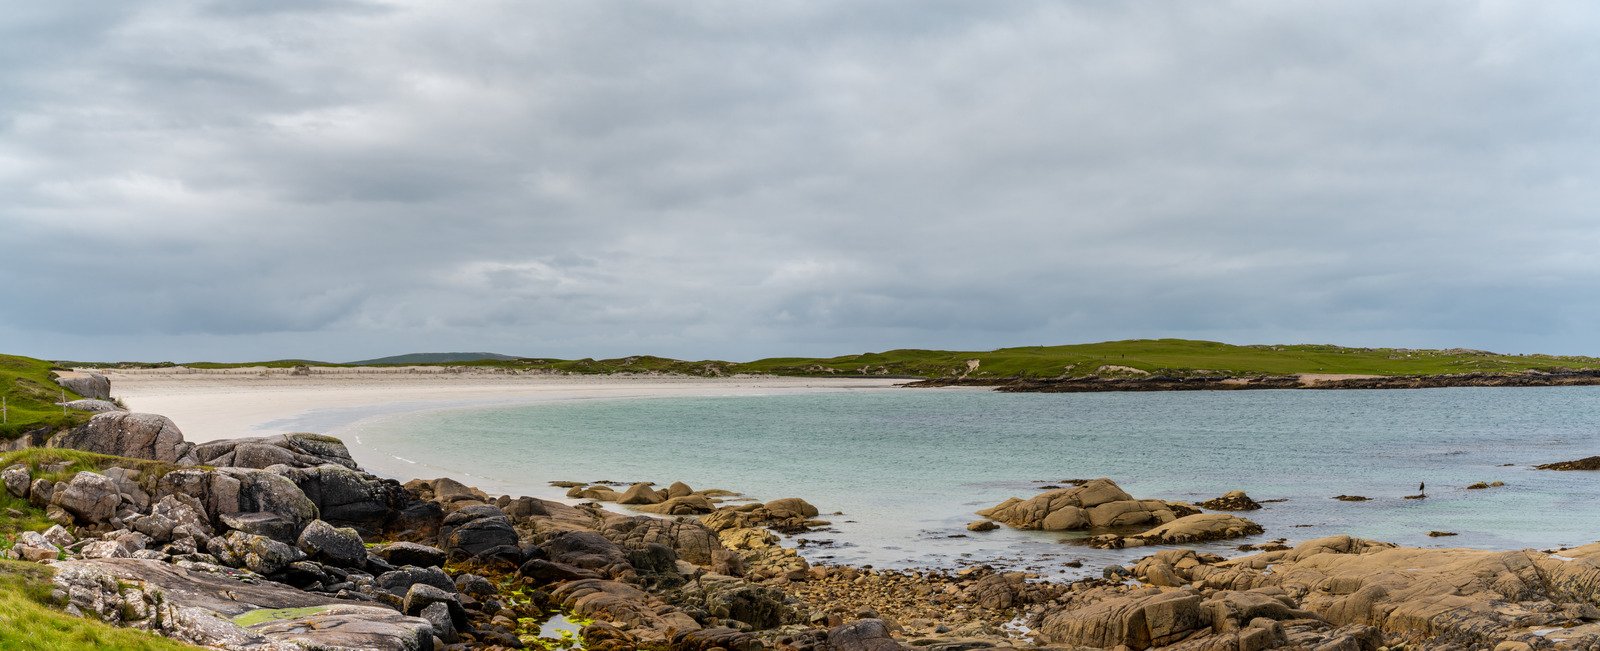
{"x":210,"y":406}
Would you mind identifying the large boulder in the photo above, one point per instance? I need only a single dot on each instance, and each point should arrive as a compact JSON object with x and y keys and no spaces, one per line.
{"x":350,"y":498}
{"x":299,"y":450}
{"x":475,"y":530}
{"x":89,"y":385}
{"x":124,"y":434}
{"x":213,"y":610}
{"x":326,"y":543}
{"x":1141,"y":620}
{"x":257,"y":553}
{"x":91,"y":498}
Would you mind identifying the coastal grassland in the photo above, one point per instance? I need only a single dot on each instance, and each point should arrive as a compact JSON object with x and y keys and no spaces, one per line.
{"x":29,"y":621}
{"x":31,"y":396}
{"x":1170,"y":357}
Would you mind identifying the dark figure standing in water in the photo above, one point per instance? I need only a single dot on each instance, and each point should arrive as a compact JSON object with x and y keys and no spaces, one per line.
{"x":1422,"y":488}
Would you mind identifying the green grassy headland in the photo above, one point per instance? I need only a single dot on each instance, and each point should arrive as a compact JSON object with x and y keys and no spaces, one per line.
{"x":1177,"y":357}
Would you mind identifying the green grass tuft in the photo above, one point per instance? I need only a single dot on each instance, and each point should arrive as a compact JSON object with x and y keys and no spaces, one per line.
{"x":265,"y":615}
{"x":29,"y":621}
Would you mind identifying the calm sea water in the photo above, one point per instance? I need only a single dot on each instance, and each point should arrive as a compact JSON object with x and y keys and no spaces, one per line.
{"x":906,"y":468}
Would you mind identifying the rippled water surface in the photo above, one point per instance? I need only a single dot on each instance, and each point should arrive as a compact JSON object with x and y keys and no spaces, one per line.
{"x":908,"y":467}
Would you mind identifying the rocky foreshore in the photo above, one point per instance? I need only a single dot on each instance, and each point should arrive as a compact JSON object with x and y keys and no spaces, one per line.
{"x":1219,"y":382}
{"x":284,"y":542}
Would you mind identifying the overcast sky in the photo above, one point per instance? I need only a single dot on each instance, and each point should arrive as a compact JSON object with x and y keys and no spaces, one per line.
{"x":239,"y":180}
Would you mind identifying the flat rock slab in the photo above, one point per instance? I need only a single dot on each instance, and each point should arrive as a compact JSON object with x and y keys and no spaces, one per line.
{"x":226,"y":611}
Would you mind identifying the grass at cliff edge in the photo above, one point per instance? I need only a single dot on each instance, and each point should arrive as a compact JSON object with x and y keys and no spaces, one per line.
{"x":29,"y":621}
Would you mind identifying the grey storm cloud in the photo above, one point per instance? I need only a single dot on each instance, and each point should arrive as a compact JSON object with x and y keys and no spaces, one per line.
{"x":242,"y":180}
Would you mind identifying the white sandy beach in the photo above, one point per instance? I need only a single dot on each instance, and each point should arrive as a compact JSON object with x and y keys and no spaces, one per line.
{"x":252,"y":402}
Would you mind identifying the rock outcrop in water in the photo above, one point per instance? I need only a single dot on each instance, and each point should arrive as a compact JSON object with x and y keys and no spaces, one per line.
{"x":1586,"y":463}
{"x":1099,"y":504}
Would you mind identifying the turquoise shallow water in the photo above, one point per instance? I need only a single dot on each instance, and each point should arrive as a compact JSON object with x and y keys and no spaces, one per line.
{"x":908,"y":467}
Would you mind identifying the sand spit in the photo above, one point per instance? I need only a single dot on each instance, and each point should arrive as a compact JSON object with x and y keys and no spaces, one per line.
{"x":236,"y":402}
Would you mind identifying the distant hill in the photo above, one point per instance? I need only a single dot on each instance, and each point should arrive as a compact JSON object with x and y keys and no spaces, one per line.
{"x":436,"y":358}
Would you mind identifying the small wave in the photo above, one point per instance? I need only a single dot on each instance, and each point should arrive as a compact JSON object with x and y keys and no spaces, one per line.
{"x":403,"y":459}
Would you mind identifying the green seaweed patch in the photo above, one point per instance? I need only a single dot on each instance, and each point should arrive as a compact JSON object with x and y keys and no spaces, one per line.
{"x":264,"y":615}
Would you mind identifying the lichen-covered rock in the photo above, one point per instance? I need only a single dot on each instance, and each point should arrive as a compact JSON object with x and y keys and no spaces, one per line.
{"x":261,"y":554}
{"x":300,"y":450}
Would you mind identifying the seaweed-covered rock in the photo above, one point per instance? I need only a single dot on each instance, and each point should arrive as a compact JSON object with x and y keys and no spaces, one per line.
{"x":1232,"y":501}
